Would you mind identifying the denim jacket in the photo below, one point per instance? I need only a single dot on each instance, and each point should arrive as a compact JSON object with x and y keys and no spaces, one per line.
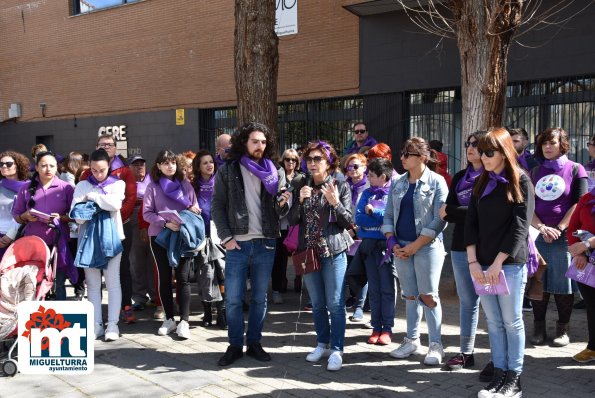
{"x":186,"y":242}
{"x":429,"y":195}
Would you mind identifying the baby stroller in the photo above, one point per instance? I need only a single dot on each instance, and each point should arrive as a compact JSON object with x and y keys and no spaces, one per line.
{"x":26,"y":273}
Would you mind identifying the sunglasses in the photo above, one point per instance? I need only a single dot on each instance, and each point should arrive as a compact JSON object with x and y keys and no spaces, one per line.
{"x":473,"y":144}
{"x":407,"y":154}
{"x":315,"y":159}
{"x":7,"y":164}
{"x":290,"y":160}
{"x":352,"y":167}
{"x":489,"y":153}
{"x":360,"y":131}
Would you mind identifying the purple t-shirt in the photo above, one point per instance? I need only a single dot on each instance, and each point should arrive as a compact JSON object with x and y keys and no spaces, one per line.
{"x":553,"y":192}
{"x":57,"y":198}
{"x":155,"y":201}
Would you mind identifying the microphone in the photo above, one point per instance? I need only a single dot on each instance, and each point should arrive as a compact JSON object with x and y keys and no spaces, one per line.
{"x":307,"y":183}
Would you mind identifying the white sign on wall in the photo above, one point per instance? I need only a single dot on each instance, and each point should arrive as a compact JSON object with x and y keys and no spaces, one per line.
{"x":286,"y":17}
{"x":119,"y":133}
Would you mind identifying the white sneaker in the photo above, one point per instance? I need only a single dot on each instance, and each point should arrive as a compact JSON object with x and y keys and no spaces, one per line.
{"x":435,"y":354}
{"x":183,"y":330}
{"x":317,"y":354}
{"x":168,"y":326}
{"x":159,"y":313}
{"x":335,"y":361}
{"x":277,"y":298}
{"x":407,"y":347}
{"x":99,"y":331}
{"x":112,"y":333}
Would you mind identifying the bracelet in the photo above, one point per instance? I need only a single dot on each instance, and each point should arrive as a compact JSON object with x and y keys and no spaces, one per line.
{"x":474,"y":261}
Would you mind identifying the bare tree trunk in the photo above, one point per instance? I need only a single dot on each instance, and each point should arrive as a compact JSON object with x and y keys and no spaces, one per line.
{"x":256,"y":59}
{"x":484,"y":30}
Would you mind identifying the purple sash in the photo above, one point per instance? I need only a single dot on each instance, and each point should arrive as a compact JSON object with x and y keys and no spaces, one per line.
{"x":465,"y":186}
{"x":173,"y":190}
{"x":355,"y":188}
{"x":494,"y":179}
{"x":101,"y":185}
{"x":265,"y":171}
{"x":555,"y":164}
{"x":12,"y":185}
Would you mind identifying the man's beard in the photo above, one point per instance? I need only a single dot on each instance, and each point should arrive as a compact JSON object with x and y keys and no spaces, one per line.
{"x":256,"y":155}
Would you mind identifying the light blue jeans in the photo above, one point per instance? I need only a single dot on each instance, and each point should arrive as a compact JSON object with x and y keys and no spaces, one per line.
{"x":256,"y":255}
{"x":420,"y":275}
{"x":506,"y":328}
{"x":326,"y":290}
{"x":468,"y":300}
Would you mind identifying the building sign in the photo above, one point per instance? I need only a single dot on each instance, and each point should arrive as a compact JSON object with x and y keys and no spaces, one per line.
{"x":119,"y":133}
{"x":180,"y":117}
{"x":286,"y":17}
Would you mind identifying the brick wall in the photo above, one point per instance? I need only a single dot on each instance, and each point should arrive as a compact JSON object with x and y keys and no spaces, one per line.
{"x":158,"y":54}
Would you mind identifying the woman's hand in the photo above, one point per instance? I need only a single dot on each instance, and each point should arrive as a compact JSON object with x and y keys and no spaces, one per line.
{"x":442,"y":211}
{"x":195,"y":209}
{"x":549,"y":234}
{"x":174,"y":226}
{"x":27,"y":217}
{"x":476,"y":272}
{"x":284,"y":197}
{"x":305,"y":193}
{"x":580,"y":261}
{"x":407,"y":250}
{"x":493,"y":273}
{"x":331,"y":193}
{"x":576,"y":249}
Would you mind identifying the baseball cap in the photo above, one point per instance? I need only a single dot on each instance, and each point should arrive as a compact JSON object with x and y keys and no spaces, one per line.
{"x":135,"y":158}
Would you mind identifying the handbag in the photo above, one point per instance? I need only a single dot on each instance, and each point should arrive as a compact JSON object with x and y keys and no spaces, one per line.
{"x":306,"y":261}
{"x":534,"y":289}
{"x":291,"y":241}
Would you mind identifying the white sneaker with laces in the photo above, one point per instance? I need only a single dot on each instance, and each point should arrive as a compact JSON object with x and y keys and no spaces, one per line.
{"x":407,"y":347}
{"x":112,"y":333}
{"x":277,"y":298}
{"x":335,"y":361}
{"x":159,"y":313}
{"x":435,"y":354}
{"x":183,"y":330}
{"x":317,"y":354}
{"x":99,"y":331}
{"x":168,"y":326}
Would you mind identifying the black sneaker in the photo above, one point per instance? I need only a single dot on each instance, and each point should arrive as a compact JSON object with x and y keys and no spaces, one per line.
{"x":511,"y":387}
{"x":233,"y":352}
{"x":487,"y":373}
{"x":527,"y":305}
{"x":492,"y":388}
{"x":459,"y":361}
{"x":255,"y":351}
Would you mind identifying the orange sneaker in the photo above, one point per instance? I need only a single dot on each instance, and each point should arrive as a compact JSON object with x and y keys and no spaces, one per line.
{"x":127,"y":315}
{"x":385,"y":338}
{"x":373,"y":339}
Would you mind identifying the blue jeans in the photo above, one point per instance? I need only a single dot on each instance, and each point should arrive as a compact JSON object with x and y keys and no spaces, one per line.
{"x":326,"y":290}
{"x":468,"y":300}
{"x":506,"y":328}
{"x":420,"y":275}
{"x":381,"y":284}
{"x":257,"y":256}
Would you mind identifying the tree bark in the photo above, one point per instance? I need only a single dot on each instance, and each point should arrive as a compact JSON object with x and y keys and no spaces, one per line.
{"x":256,"y":64}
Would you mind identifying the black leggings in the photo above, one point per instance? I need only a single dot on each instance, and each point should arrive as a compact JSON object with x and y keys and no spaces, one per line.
{"x":564,"y":303}
{"x":588,"y":293}
{"x":165,"y":288}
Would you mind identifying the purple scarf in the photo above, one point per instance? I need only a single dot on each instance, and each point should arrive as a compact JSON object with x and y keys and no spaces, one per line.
{"x":591,"y":165}
{"x":116,"y":164}
{"x":205,"y":188}
{"x":355,"y":188}
{"x":12,"y":185}
{"x":465,"y":185}
{"x":522,"y":158}
{"x":265,"y":171}
{"x":219,"y":161}
{"x":379,"y":192}
{"x":369,"y":142}
{"x":493,"y":181}
{"x":555,"y":164}
{"x":173,"y":190}
{"x":101,"y":185}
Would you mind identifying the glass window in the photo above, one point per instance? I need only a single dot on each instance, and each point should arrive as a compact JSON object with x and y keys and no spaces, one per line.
{"x":84,"y":6}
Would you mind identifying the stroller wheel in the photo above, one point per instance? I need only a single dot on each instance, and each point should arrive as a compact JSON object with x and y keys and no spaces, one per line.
{"x":10,"y":367}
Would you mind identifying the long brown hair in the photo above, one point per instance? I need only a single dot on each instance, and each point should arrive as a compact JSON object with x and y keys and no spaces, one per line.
{"x":498,"y":139}
{"x":420,"y":146}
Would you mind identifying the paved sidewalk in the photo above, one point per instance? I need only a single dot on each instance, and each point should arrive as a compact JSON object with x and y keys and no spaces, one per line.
{"x":142,"y":364}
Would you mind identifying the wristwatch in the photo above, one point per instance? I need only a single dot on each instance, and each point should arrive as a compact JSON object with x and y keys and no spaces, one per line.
{"x":587,"y":244}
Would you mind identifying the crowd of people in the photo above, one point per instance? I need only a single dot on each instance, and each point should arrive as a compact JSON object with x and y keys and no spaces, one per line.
{"x":357,"y":230}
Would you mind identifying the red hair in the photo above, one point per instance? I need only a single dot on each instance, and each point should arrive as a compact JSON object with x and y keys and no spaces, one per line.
{"x":380,"y":150}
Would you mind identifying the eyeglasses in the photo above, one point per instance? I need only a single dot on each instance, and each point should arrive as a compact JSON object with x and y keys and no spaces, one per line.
{"x":106,"y":146}
{"x":7,"y":164}
{"x":489,"y":153}
{"x":315,"y":159}
{"x":360,"y":131}
{"x":471,"y":143}
{"x":288,"y":160}
{"x":352,"y":167}
{"x":407,"y":154}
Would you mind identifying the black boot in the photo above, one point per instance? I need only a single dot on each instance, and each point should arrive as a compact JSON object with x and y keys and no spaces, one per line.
{"x":539,"y":334}
{"x":207,"y":319}
{"x":221,"y":317}
{"x":496,"y":383}
{"x":511,"y":387}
